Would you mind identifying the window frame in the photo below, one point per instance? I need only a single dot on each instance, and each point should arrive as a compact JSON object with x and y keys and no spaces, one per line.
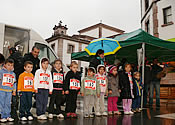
{"x":69,"y":51}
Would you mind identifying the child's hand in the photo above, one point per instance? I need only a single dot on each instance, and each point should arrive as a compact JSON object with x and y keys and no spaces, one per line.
{"x":119,"y":90}
{"x":67,"y":92}
{"x":62,"y":92}
{"x":140,"y":87}
{"x":98,"y":95}
{"x":106,"y":94}
{"x":82,"y":94}
{"x":110,"y":91}
{"x":14,"y":93}
{"x":36,"y":91}
{"x":50,"y":93}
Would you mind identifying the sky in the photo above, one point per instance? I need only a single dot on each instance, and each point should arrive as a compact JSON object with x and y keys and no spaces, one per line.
{"x":42,"y":15}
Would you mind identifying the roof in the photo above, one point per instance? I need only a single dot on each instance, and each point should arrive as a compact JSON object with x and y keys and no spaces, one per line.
{"x":101,"y":25}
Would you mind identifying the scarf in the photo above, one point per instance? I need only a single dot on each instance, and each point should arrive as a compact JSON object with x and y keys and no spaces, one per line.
{"x":131,"y":83}
{"x":101,"y":60}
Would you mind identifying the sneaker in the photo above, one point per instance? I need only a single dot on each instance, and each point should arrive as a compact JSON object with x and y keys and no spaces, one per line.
{"x":133,"y":110}
{"x":60,"y":116}
{"x":39,"y":117}
{"x":3,"y":120}
{"x":126,"y":113}
{"x":137,"y":110}
{"x":30,"y":118}
{"x":91,"y":115}
{"x":110,"y":113}
{"x":86,"y":116}
{"x":23,"y":119}
{"x":43,"y":117}
{"x":104,"y":114}
{"x":50,"y":116}
{"x":117,"y":113}
{"x":131,"y":113}
{"x":98,"y":114}
{"x":73,"y":115}
{"x":10,"y":119}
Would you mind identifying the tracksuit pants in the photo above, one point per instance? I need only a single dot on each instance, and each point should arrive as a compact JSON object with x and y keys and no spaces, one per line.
{"x":127,"y":103}
{"x":89,"y":103}
{"x":99,"y":103}
{"x":112,"y":103}
{"x":41,"y":101}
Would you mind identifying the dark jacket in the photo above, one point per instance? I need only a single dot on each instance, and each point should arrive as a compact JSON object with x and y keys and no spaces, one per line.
{"x":35,"y":61}
{"x":155,"y":70}
{"x":125,"y":86}
{"x":71,"y":75}
{"x":147,"y":74}
{"x":94,"y":62}
{"x":57,"y":85}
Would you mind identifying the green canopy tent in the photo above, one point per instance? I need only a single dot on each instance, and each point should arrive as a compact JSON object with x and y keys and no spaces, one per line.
{"x":130,"y":42}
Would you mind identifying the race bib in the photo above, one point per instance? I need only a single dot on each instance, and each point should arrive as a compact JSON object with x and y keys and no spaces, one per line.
{"x":102,"y":81}
{"x":74,"y":84}
{"x":57,"y":78}
{"x":28,"y":82}
{"x":44,"y":78}
{"x":8,"y":80}
{"x":90,"y":84}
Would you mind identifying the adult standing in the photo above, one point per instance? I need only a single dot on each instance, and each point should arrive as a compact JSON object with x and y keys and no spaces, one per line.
{"x":2,"y":60}
{"x":155,"y":83}
{"x":33,"y":57}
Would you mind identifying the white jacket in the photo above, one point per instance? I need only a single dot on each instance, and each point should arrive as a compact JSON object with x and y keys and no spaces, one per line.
{"x":43,"y":79}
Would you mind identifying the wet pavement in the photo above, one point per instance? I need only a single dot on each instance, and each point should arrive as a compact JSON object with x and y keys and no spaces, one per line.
{"x":165,"y":115}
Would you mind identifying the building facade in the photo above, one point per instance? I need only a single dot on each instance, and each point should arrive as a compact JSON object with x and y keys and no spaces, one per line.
{"x":64,"y":45}
{"x":158,"y":18}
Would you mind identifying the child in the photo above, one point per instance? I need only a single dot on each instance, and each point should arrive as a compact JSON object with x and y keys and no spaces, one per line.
{"x":113,"y":90}
{"x":57,"y":94}
{"x":72,"y":87}
{"x":43,"y":87}
{"x":101,"y":77}
{"x":26,"y":87}
{"x":90,"y":89}
{"x":7,"y":86}
{"x":137,"y":99}
{"x":128,"y":89}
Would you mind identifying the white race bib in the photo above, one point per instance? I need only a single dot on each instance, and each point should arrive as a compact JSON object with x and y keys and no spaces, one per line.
{"x":102,"y":81}
{"x":74,"y":84}
{"x":28,"y":82}
{"x":57,"y":78}
{"x":90,"y":84}
{"x":8,"y":80}
{"x":44,"y":78}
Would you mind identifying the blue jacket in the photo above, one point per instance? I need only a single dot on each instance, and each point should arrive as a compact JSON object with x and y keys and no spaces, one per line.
{"x":140,"y":85}
{"x":7,"y":80}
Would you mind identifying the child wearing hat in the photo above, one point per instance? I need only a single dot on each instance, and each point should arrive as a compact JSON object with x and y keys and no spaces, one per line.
{"x":113,"y":90}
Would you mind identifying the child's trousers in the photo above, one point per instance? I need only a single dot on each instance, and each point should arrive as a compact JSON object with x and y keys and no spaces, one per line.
{"x":25,"y":104}
{"x":136,"y":102}
{"x":99,"y":104}
{"x":56,"y":97}
{"x":127,"y":105}
{"x":112,"y":103}
{"x":5,"y":104}
{"x":89,"y":103}
{"x":41,"y":101}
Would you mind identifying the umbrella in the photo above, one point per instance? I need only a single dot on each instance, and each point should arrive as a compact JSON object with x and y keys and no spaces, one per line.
{"x":110,"y":46}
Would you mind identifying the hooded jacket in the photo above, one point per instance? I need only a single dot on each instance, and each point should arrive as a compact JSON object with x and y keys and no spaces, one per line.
{"x":58,"y":79}
{"x":7,"y":80}
{"x":103,"y":81}
{"x":43,"y":79}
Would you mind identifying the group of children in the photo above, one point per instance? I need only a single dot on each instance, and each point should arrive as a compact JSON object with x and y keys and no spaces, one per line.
{"x":93,"y":88}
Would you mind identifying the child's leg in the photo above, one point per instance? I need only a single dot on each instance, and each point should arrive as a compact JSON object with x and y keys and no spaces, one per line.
{"x":2,"y":104}
{"x":7,"y":107}
{"x":74,"y":102}
{"x":125,"y":102}
{"x":45,"y":100}
{"x":23,"y":104}
{"x":129,"y":105}
{"x":138,"y":101}
{"x":29,"y":103}
{"x":68,"y":103}
{"x":115,"y":99}
{"x":52,"y":102}
{"x":97,"y":104}
{"x":101,"y":104}
{"x":91,"y":103}
{"x":39,"y":100}
{"x":58,"y":102}
{"x":86,"y":105}
{"x":134,"y":103}
{"x":110,"y":107}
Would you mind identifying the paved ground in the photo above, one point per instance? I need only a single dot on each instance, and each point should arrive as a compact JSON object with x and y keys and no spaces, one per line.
{"x":165,"y":115}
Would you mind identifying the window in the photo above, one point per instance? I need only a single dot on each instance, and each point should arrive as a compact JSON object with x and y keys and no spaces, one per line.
{"x":146,"y":4}
{"x":147,"y":26}
{"x":70,"y":48}
{"x":53,"y":46}
{"x":167,"y":14}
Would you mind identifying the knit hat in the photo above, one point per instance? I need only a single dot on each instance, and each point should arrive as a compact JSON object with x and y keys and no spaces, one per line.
{"x":93,"y":69}
{"x":111,"y":68}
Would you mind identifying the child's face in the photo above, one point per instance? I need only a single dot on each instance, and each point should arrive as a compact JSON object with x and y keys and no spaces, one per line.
{"x":128,"y":68}
{"x":101,"y":55}
{"x":45,"y":65}
{"x":9,"y":66}
{"x":58,"y":65}
{"x":114,"y":71}
{"x":28,"y":68}
{"x":101,"y":70}
{"x":74,"y":68}
{"x":137,"y":76}
{"x":90,"y":73}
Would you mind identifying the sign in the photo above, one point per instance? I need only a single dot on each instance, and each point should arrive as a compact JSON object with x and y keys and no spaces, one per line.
{"x":57,"y":78}
{"x":90,"y":84}
{"x":44,"y":78}
{"x":102,"y":81}
{"x":8,"y":80}
{"x":28,"y":82}
{"x":74,"y":84}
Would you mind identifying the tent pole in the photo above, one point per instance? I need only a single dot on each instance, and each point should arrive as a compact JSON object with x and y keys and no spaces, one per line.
{"x":143,"y":71}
